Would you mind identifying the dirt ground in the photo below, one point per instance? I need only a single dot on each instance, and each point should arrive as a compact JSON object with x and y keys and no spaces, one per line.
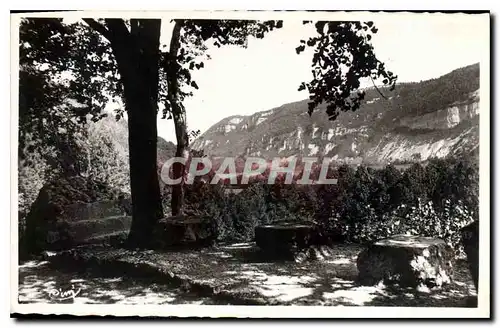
{"x":231,"y":274}
{"x":37,"y":280}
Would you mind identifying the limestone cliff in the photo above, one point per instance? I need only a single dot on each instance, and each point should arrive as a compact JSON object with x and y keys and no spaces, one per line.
{"x":417,"y":121}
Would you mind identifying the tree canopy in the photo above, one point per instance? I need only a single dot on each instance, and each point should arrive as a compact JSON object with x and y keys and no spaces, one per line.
{"x":60,"y":61}
{"x":70,"y":72}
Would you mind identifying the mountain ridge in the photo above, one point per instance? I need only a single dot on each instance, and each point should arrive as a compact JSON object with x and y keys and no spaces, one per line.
{"x":416,"y":121}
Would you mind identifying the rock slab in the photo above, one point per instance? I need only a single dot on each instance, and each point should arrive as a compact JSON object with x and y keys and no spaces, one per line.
{"x":408,"y":260}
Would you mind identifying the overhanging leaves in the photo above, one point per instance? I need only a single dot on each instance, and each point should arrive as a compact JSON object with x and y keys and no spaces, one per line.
{"x":342,"y":56}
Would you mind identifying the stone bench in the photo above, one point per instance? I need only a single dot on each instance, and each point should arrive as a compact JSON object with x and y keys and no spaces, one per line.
{"x":407,"y":260}
{"x":102,"y":222}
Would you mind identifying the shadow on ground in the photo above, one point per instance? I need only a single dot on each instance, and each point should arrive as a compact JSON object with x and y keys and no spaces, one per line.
{"x":230,"y":274}
{"x":37,"y":280}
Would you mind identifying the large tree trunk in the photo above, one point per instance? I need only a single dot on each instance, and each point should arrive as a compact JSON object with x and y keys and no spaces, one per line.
{"x":146,"y":197}
{"x":137,"y":55}
{"x":179,"y":116}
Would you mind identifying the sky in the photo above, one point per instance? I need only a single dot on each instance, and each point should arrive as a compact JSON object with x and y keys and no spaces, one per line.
{"x":266,"y":74}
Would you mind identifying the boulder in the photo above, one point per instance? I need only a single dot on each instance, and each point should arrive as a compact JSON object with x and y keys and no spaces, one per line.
{"x":73,"y":211}
{"x":470,"y":241}
{"x":181,"y":231}
{"x":407,"y":260}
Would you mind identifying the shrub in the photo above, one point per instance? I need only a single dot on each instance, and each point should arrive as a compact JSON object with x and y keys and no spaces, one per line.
{"x":412,"y":186}
{"x":366,"y":204}
{"x":445,"y":224}
{"x":380,"y":196}
{"x":290,"y":202}
{"x":422,"y":220}
{"x":461,"y":185}
{"x":232,"y":217}
{"x":32,"y":176}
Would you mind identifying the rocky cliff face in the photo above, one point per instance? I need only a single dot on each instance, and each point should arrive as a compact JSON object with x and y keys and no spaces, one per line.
{"x":447,"y":132}
{"x":394,"y":126}
{"x":445,"y":118}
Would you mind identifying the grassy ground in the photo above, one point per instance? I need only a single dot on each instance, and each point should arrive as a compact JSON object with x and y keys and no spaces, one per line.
{"x":235,"y":274}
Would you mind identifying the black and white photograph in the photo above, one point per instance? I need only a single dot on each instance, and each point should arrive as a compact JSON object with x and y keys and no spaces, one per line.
{"x":255,"y":164}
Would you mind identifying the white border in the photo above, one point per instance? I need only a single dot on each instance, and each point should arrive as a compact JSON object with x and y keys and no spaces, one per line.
{"x":264,"y":311}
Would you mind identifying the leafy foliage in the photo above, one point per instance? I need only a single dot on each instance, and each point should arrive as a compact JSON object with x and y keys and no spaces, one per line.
{"x":365,"y":205}
{"x":73,"y":61}
{"x":89,"y":64}
{"x":64,"y":70}
{"x":343,"y":55}
{"x":424,"y":219}
{"x":436,"y":200}
{"x":32,"y":176}
{"x":98,"y":154}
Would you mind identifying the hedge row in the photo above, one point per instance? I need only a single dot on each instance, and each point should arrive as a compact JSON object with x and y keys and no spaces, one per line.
{"x":435,"y":199}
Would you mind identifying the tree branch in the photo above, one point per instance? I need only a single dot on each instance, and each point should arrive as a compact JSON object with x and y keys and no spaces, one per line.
{"x":99,"y":28}
{"x":377,"y":88}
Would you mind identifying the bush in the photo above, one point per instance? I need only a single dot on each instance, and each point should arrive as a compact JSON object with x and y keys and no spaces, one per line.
{"x":232,"y":217}
{"x":422,"y":220}
{"x":32,"y":176}
{"x":235,"y":216}
{"x":436,"y":199}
